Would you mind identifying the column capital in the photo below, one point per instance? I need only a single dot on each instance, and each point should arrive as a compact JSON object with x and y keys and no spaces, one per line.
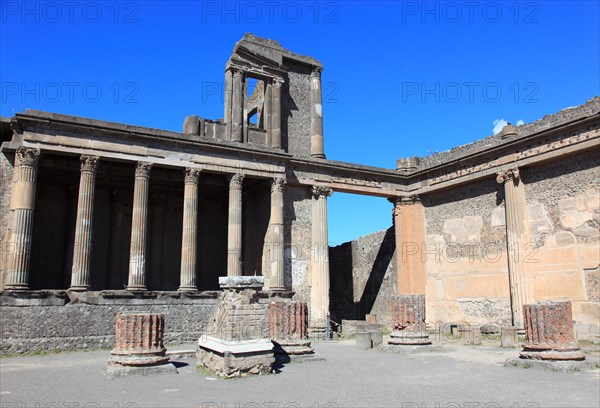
{"x":89,"y":163}
{"x":192,"y":175}
{"x":278,"y":185}
{"x":321,"y":191}
{"x":27,"y":156}
{"x":143,"y":170}
{"x":316,"y":71}
{"x":277,"y":82}
{"x":505,"y":175}
{"x":236,"y":181}
{"x":237,"y":73}
{"x":404,"y":200}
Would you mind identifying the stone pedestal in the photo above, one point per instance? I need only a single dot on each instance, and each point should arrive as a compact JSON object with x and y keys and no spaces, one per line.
{"x":288,"y":328}
{"x":238,"y":344}
{"x":549,"y":332}
{"x":509,"y":337}
{"x":139,"y":345}
{"x":408,"y":321}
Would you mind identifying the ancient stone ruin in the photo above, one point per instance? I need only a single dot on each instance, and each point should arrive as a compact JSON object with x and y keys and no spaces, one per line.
{"x":549,"y":332}
{"x":288,"y":329}
{"x":139,"y":347}
{"x":408,"y":321}
{"x":146,"y":219}
{"x":238,"y":344}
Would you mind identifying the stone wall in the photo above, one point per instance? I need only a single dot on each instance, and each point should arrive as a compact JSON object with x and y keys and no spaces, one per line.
{"x":297,"y":237}
{"x":295,"y":109}
{"x":465,"y":253}
{"x":363,"y":277}
{"x":45,"y":322}
{"x":6,"y":169}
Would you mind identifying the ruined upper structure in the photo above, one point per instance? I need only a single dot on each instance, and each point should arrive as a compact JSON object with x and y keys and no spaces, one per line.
{"x":99,"y":216}
{"x":284,"y":109}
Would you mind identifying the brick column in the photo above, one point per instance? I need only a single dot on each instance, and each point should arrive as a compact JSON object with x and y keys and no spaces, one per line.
{"x":549,"y":332}
{"x":82,"y":249}
{"x":276,"y":113}
{"x":317,"y":149}
{"x":288,"y":328}
{"x":319,"y":270}
{"x":234,"y":228}
{"x":517,"y":237}
{"x":22,"y":204}
{"x":409,"y":228}
{"x":139,"y":228}
{"x":276,"y":242}
{"x":408,"y":321}
{"x":189,"y":242}
{"x":139,"y":340}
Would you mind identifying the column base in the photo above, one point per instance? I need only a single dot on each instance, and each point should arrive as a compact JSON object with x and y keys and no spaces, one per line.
{"x":80,"y":288}
{"x":136,"y":288}
{"x":16,"y":286}
{"x":187,"y":289}
{"x":318,"y":156}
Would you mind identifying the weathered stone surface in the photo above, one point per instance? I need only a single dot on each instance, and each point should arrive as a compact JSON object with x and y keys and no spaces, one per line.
{"x":241,"y":282}
{"x":235,"y":359}
{"x":592,"y":284}
{"x":549,"y":332}
{"x":408,"y":321}
{"x":288,"y":328}
{"x":139,"y":340}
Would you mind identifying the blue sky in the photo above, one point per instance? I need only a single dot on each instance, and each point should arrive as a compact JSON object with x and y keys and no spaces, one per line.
{"x":400,"y":79}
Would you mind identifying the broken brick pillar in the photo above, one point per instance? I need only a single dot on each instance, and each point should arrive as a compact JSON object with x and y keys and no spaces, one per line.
{"x":139,"y":340}
{"x":288,"y":327}
{"x":408,"y":321}
{"x":549,"y":333}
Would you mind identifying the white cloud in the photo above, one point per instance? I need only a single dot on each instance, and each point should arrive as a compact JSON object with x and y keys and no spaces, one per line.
{"x":520,"y":122}
{"x":498,"y":125}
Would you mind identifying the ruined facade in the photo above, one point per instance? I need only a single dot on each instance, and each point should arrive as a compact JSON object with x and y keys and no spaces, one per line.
{"x":99,"y":217}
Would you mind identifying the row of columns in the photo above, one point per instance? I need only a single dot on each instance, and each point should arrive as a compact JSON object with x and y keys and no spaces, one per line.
{"x":21,"y":226}
{"x":235,"y":86}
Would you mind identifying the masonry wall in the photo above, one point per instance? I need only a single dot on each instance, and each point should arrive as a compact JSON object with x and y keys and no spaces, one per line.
{"x":295,"y":109}
{"x":46,"y":323}
{"x":363,"y":277}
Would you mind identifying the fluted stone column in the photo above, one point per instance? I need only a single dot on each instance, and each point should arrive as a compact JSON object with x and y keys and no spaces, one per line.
{"x":82,"y":249}
{"x":409,"y":228}
{"x":517,"y":237}
{"x":549,"y":333}
{"x":319,"y":279}
{"x":237,"y":108}
{"x":139,"y":228}
{"x":317,"y":149}
{"x":234,"y":228}
{"x":276,"y":244}
{"x":189,"y":242}
{"x":276,"y":113}
{"x":139,"y":340}
{"x":22,"y":204}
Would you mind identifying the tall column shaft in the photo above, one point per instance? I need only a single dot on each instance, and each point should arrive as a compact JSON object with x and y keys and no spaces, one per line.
{"x":409,"y":228}
{"x":22,"y":204}
{"x":276,"y":243}
{"x":228,"y":100}
{"x":319,"y":291}
{"x":276,"y":113}
{"x":234,"y":228}
{"x":82,"y":248}
{"x":517,"y":237}
{"x":237,"y":108}
{"x":316,"y":115}
{"x":139,"y":228}
{"x":189,"y":242}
